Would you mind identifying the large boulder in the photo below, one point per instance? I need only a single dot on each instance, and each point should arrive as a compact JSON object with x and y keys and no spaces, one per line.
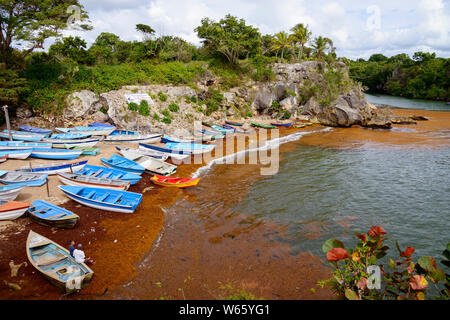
{"x":81,"y":104}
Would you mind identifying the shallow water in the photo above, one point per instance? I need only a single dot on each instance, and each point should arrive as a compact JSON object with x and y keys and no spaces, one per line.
{"x":400,"y":102}
{"x":321,"y":193}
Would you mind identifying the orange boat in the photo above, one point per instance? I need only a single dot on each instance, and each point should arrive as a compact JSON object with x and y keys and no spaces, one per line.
{"x":174,"y":182}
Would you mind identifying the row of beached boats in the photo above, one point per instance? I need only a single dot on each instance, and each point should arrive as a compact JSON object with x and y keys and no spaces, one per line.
{"x":100,"y":187}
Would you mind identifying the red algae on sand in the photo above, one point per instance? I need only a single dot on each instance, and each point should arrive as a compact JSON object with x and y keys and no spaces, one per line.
{"x":213,"y":249}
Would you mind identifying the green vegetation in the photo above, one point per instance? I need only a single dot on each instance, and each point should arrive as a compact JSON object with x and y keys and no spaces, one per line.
{"x":402,"y":279}
{"x":143,"y":108}
{"x":232,"y":52}
{"x":423,"y":77}
{"x":133,"y":106}
{"x":173,"y":107}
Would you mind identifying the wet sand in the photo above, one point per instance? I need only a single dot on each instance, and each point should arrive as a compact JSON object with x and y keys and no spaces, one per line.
{"x":140,"y":256}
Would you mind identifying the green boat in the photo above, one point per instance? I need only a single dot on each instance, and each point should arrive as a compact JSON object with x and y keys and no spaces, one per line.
{"x":232,"y":123}
{"x":86,"y":150}
{"x":264,"y":126}
{"x":208,"y":123}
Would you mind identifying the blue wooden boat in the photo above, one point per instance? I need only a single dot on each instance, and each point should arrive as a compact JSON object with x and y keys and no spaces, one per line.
{"x":226,"y":126}
{"x":9,"y":145}
{"x":194,"y":148}
{"x":35,"y":130}
{"x":23,"y":178}
{"x":167,"y":139}
{"x":104,"y":199}
{"x":168,"y":151}
{"x":239,"y":130}
{"x":124,"y":164}
{"x":98,"y":124}
{"x":97,"y":131}
{"x":222,"y":130}
{"x":87,"y":151}
{"x":132,"y":136}
{"x":215,"y":134}
{"x":108,"y":173}
{"x":56,"y":154}
{"x":281,"y":124}
{"x":10,"y":192}
{"x":54,"y":168}
{"x":22,"y":136}
{"x":69,"y":136}
{"x":48,"y":214}
{"x":56,"y":264}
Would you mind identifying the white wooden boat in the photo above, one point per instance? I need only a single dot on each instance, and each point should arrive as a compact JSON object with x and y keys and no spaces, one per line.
{"x":56,"y":264}
{"x":63,"y":143}
{"x":162,"y":157}
{"x":10,"y":192}
{"x":27,"y":179}
{"x":20,"y":154}
{"x":11,"y":210}
{"x":131,"y":136}
{"x":150,"y":164}
{"x":94,"y":131}
{"x":53,"y":168}
{"x":14,"y":145}
{"x":153,"y":152}
{"x":80,"y":180}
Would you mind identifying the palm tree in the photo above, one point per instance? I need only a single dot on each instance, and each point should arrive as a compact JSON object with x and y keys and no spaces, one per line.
{"x":281,"y":41}
{"x":321,"y":44}
{"x":301,"y":36}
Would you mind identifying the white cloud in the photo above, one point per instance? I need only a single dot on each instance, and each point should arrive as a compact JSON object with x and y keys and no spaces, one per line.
{"x":405,"y":25}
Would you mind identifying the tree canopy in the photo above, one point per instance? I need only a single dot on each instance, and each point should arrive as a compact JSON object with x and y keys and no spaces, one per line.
{"x":28,"y":23}
{"x":230,"y":36}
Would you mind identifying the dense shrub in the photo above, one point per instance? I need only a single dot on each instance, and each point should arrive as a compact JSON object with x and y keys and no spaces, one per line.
{"x":173,"y":107}
{"x":143,"y":108}
{"x":133,"y":106}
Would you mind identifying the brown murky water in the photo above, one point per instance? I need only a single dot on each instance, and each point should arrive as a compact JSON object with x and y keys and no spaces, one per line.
{"x":198,"y":247}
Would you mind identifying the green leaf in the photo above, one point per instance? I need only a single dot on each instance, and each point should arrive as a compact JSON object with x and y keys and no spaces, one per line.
{"x":437,"y":275}
{"x":446,"y":254}
{"x":351,"y":295}
{"x":331,"y":244}
{"x":427,"y":263}
{"x":372,"y":260}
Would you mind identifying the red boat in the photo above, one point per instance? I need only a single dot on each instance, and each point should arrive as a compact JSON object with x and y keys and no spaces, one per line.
{"x":174,"y":182}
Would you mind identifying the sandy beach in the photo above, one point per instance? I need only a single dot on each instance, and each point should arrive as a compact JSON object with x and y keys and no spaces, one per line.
{"x":119,"y":242}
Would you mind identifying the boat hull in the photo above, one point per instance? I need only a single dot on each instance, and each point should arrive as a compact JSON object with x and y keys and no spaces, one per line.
{"x":99,"y":205}
{"x":64,"y":144}
{"x":71,"y":182}
{"x":11,"y":194}
{"x":36,"y":241}
{"x":102,"y":172}
{"x":56,"y":155}
{"x":55,"y":168}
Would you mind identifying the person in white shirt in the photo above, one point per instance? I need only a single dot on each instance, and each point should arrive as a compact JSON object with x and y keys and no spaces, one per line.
{"x":80,"y":257}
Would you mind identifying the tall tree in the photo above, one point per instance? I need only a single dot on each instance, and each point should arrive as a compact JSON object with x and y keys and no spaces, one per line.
{"x":321,"y":44}
{"x":31,"y":22}
{"x":301,"y":35}
{"x":282,"y":41}
{"x":230,"y":36}
{"x":146,"y":30}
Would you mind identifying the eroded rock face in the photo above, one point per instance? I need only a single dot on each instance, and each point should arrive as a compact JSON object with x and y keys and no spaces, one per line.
{"x":81,"y":104}
{"x":348,"y":109}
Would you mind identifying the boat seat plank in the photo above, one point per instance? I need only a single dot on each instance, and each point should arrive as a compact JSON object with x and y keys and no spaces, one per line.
{"x":101,"y":199}
{"x":90,"y":195}
{"x":116,"y":199}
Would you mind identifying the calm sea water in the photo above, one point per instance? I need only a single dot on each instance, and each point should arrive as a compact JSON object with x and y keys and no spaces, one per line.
{"x":321,"y":193}
{"x":399,"y":102}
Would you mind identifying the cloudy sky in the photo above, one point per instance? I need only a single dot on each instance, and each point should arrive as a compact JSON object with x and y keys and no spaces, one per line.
{"x":358,"y":28}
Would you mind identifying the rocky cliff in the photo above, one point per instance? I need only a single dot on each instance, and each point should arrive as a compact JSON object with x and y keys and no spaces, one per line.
{"x":309,"y":91}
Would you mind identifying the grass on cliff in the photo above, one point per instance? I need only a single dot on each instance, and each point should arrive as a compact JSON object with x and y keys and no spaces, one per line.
{"x":49,"y":83}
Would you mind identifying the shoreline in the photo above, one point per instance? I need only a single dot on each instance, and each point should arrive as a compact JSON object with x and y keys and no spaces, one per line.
{"x":117,"y":263}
